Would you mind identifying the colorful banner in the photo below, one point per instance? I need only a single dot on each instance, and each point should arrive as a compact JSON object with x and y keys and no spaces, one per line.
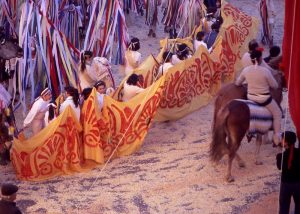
{"x":55,"y":151}
{"x":123,"y":125}
{"x":120,"y":125}
{"x":236,"y":31}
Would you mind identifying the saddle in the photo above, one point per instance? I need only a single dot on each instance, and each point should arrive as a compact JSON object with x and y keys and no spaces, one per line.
{"x":261,"y":119}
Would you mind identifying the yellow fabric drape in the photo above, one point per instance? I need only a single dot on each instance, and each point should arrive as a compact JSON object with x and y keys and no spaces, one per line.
{"x":126,"y":123}
{"x":56,"y":150}
{"x":64,"y":147}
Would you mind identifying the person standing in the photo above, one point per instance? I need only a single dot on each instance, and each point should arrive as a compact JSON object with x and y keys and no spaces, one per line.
{"x":132,"y":56}
{"x":152,"y":16}
{"x":87,"y":77}
{"x":7,"y":203}
{"x":267,"y":15}
{"x":289,"y":164}
{"x":36,"y":115}
{"x":72,"y":100}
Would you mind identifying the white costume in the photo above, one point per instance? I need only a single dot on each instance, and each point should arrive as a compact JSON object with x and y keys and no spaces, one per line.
{"x":163,"y":69}
{"x":69,"y":102}
{"x":132,"y":61}
{"x":175,"y":60}
{"x":88,"y":77}
{"x":198,"y":43}
{"x":36,"y":115}
{"x":130,"y":91}
{"x":100,"y":98}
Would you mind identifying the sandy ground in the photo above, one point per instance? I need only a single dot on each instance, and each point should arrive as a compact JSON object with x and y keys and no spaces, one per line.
{"x":171,"y":173}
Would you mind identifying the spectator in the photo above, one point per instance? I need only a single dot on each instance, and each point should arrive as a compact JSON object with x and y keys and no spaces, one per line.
{"x":9,"y":195}
{"x":290,"y":175}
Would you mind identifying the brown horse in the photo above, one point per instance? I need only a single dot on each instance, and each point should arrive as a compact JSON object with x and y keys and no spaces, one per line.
{"x":231,"y":123}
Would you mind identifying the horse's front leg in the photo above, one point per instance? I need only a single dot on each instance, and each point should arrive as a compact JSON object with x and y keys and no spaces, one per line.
{"x":257,"y":149}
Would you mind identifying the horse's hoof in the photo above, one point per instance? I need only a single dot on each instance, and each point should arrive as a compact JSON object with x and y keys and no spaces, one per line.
{"x":230,"y":179}
{"x":258,"y":162}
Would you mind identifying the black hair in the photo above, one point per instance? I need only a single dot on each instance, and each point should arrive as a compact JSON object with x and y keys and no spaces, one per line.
{"x":252,"y":45}
{"x":86,"y":93}
{"x":51,"y":112}
{"x":167,"y":56}
{"x":215,"y":26}
{"x":289,"y":137}
{"x":134,"y":44}
{"x":219,"y":20}
{"x":274,"y":51}
{"x":200,"y":35}
{"x":132,"y":79}
{"x":255,"y":55}
{"x":99,"y":83}
{"x":74,"y":94}
{"x":83,"y":59}
{"x":182,"y":51}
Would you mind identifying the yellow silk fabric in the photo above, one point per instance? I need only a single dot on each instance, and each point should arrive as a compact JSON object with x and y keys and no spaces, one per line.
{"x":56,"y":150}
{"x":121,"y":125}
{"x":66,"y":146}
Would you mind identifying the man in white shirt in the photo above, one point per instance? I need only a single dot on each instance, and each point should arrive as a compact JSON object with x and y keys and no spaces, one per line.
{"x":36,"y":115}
{"x":130,"y":87}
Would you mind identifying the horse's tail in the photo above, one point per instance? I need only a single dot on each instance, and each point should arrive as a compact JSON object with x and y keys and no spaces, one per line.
{"x":218,"y":146}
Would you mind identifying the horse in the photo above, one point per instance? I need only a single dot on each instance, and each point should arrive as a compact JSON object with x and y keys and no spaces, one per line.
{"x":9,"y":47}
{"x":231,"y":122}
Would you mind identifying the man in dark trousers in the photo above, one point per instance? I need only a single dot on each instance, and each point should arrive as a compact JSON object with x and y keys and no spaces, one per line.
{"x":8,"y":196}
{"x":290,"y":176}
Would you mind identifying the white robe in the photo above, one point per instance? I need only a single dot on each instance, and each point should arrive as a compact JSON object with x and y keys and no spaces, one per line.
{"x":132,"y":61}
{"x":163,"y":69}
{"x":69,"y":102}
{"x":100,"y":98}
{"x":130,"y":91}
{"x":198,"y":43}
{"x":36,"y":115}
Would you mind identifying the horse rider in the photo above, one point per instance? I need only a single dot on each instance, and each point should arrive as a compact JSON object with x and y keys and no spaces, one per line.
{"x":259,"y":81}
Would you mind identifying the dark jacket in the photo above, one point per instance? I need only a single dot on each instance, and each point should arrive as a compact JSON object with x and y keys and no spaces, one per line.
{"x":291,"y":175}
{"x":9,"y":207}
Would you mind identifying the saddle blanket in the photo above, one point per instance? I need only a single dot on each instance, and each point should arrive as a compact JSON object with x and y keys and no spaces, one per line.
{"x":261,"y":118}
